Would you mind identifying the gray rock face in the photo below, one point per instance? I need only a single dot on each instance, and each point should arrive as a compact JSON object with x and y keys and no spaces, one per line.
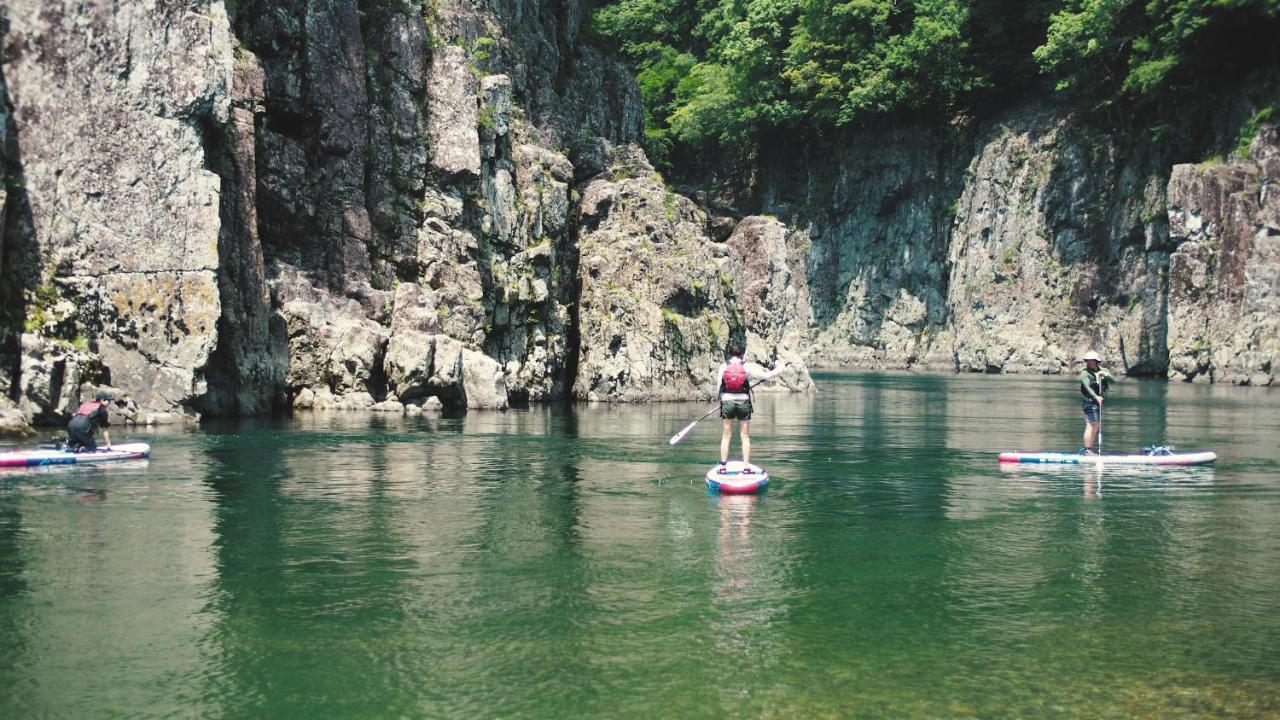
{"x":452,"y":114}
{"x":770,"y":287}
{"x":51,"y":375}
{"x":108,"y":102}
{"x":876,"y":246}
{"x":1037,"y":276}
{"x":1047,"y":239}
{"x":245,"y":373}
{"x":13,"y":422}
{"x":660,"y":299}
{"x":334,"y":347}
{"x":1224,"y":277}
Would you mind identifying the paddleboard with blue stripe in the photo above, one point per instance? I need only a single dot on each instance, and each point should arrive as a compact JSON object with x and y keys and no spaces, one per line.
{"x":51,"y":456}
{"x":737,"y":477}
{"x":1200,"y":457}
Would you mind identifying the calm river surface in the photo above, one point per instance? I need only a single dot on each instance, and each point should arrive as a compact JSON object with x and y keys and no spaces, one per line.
{"x":564,"y":562}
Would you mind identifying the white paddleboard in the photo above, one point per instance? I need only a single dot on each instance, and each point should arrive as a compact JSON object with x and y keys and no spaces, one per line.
{"x":50,"y":456}
{"x":1174,"y":458}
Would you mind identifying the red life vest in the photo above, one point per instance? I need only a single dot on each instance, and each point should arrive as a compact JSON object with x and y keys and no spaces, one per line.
{"x":735,"y":377}
{"x":89,"y":408}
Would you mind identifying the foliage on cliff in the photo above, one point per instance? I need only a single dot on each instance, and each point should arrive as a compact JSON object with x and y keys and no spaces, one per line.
{"x":717,"y":72}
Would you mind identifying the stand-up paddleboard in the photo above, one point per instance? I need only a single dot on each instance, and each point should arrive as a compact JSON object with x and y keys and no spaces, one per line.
{"x":1156,"y":458}
{"x":52,"y":456}
{"x":736,"y":479}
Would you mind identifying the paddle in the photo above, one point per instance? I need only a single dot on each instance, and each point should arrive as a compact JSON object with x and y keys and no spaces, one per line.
{"x":1099,"y":429}
{"x":680,"y":435}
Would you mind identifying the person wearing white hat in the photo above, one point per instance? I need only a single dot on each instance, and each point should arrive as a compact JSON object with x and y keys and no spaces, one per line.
{"x":1094,"y":382}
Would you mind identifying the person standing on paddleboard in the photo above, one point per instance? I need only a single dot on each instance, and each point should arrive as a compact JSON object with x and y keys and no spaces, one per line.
{"x":734,"y":381}
{"x":88,"y":418}
{"x":1094,"y":382}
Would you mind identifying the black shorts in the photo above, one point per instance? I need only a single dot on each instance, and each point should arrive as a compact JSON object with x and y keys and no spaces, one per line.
{"x":1092,"y":410}
{"x":80,"y":434}
{"x":735,"y":409}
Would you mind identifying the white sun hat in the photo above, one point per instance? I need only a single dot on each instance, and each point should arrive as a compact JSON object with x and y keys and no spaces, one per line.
{"x":1091,"y":355}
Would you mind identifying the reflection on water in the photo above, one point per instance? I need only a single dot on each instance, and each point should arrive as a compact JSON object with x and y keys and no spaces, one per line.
{"x":559,"y":561}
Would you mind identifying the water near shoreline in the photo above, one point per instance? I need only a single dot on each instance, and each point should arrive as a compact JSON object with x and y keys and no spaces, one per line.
{"x":563,"y":561}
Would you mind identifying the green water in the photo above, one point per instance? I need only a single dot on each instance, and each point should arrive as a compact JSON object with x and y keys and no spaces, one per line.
{"x":564,"y":562}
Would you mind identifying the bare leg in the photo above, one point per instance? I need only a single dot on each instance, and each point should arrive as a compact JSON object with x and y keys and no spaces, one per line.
{"x":745,"y":432}
{"x":725,"y":437}
{"x":1090,"y":434}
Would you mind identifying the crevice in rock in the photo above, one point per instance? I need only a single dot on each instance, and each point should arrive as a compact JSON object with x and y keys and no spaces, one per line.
{"x":19,"y":263}
{"x":245,"y":371}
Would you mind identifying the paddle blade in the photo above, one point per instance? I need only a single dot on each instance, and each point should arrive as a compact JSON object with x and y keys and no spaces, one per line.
{"x":680,"y":435}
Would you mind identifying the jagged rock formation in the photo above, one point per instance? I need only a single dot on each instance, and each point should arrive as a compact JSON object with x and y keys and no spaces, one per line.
{"x":1044,"y":265}
{"x":1224,"y":278}
{"x":323,"y":204}
{"x":1047,"y":238}
{"x":114,"y":250}
{"x":661,"y":300}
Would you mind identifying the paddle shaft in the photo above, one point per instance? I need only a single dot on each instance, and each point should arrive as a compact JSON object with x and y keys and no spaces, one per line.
{"x":680,"y":435}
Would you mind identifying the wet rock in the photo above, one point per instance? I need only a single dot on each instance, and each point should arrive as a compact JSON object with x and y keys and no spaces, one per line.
{"x":324,"y":399}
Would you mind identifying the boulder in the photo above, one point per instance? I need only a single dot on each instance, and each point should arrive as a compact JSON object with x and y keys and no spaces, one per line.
{"x":388,"y":406}
{"x":13,"y":422}
{"x":333,"y":345}
{"x":483,"y":382}
{"x":51,"y":373}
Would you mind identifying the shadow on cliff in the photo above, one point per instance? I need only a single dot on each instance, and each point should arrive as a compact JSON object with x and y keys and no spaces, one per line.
{"x":19,"y":260}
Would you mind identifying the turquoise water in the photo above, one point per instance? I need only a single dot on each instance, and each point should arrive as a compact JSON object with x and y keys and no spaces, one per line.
{"x":564,"y":562}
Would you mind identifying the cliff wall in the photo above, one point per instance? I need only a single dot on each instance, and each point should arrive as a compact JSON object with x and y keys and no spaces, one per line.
{"x":228,"y":208}
{"x":224,"y":208}
{"x":1013,"y":244}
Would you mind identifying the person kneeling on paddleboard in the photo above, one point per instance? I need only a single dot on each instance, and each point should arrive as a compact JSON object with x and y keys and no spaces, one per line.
{"x":734,"y":380}
{"x":88,"y":418}
{"x":1094,"y":383}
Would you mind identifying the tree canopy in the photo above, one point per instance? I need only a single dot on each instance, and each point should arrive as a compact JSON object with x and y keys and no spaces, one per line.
{"x":720,"y":72}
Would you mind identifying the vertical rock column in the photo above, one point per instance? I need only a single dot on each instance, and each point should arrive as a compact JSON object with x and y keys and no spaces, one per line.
{"x":1224,"y":277}
{"x":16,"y":267}
{"x":246,"y":371}
{"x":108,"y":104}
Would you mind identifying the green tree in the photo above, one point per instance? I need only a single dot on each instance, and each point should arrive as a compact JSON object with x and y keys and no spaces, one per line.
{"x":1126,"y":47}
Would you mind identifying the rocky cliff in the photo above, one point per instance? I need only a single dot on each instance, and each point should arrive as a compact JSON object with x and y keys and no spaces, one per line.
{"x":1012,"y":245}
{"x":1224,"y":276}
{"x":224,"y":208}
{"x":228,"y":208}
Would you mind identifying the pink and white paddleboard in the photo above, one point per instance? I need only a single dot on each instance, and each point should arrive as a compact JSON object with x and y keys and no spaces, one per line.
{"x":738,"y":477}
